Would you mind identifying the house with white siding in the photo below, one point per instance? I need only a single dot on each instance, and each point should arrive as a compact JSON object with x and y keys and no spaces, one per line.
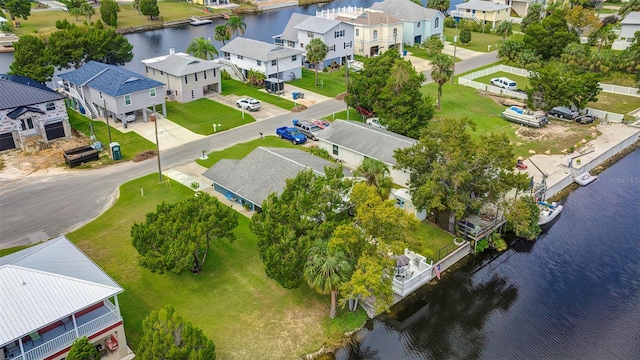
{"x":274,"y":61}
{"x":420,"y":23}
{"x":482,"y":12}
{"x":628,"y":27}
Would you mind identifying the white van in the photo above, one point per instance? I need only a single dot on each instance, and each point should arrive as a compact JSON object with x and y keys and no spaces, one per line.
{"x":504,"y":83}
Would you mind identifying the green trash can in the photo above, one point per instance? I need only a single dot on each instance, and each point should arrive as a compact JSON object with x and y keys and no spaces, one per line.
{"x":116,"y":154}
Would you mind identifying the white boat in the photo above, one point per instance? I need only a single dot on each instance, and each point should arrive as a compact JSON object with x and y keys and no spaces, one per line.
{"x":548,"y":212}
{"x":195,"y":21}
{"x":525,"y":117}
{"x":585,"y":179}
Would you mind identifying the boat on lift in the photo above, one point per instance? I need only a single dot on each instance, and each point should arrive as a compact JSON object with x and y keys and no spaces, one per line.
{"x":585,"y":179}
{"x":196,"y":21}
{"x":548,"y":212}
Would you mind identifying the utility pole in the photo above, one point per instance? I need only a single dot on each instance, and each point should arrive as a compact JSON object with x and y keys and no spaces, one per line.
{"x":484,"y":22}
{"x":455,"y":47}
{"x":155,"y":122}
{"x":106,"y":117}
{"x":346,"y":83}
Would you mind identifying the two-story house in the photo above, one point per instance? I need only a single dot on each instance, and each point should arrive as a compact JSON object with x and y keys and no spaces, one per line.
{"x":272,"y":60}
{"x":482,"y":12}
{"x":186,"y":78}
{"x":96,"y":87}
{"x":628,"y":27}
{"x":337,"y":35}
{"x":519,"y":8}
{"x":30,"y":110}
{"x":420,"y":23}
{"x":50,"y":295}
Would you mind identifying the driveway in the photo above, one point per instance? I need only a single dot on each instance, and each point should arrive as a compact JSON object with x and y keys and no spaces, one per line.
{"x":266,"y":111}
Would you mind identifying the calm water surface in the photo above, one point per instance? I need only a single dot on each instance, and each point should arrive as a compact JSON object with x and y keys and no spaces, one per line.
{"x":574,"y":293}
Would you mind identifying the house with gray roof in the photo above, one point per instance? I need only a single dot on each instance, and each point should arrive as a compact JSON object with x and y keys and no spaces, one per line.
{"x":52,"y":294}
{"x":249,"y":181}
{"x":352,"y":142}
{"x":337,"y":35}
{"x":30,"y":113}
{"x":104,"y":90}
{"x":274,"y":61}
{"x":628,"y":27}
{"x":186,"y":78}
{"x":420,"y":23}
{"x":482,"y":12}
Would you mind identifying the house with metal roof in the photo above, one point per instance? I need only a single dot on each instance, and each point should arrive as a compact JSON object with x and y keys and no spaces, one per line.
{"x":337,"y":35}
{"x":482,"y":12}
{"x":420,"y":23}
{"x":50,"y":295}
{"x":186,"y":78}
{"x":249,"y":181}
{"x":30,"y":114}
{"x":352,"y":142}
{"x":104,"y":90}
{"x":272,"y":60}
{"x":628,"y":27}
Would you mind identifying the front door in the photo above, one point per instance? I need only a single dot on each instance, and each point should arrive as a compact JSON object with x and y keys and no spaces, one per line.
{"x":374,"y":51}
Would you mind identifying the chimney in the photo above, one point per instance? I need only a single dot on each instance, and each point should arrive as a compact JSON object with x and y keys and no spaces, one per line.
{"x":172,"y":51}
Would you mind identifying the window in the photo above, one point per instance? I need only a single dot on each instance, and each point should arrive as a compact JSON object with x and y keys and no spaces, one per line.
{"x":154,"y":71}
{"x":419,"y":24}
{"x":337,"y":34}
{"x":240,"y":57}
{"x":335,"y":150}
{"x":127,"y":100}
{"x":348,"y":44}
{"x":196,"y":76}
{"x":161,"y":72}
{"x":436,"y":23}
{"x":292,"y":43}
{"x":259,"y":63}
{"x":205,"y":74}
{"x":226,"y":55}
{"x":395,"y":33}
{"x":51,"y":106}
{"x":152,"y":93}
{"x":193,"y":96}
{"x":294,"y":57}
{"x":26,"y":124}
{"x":274,"y":63}
{"x":357,"y":32}
{"x":100,"y":95}
{"x":375,"y":34}
{"x":186,"y":80}
{"x":302,"y":45}
{"x":310,"y":34}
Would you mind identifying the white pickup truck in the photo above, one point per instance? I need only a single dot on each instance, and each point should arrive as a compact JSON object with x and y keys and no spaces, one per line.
{"x":308,"y":128}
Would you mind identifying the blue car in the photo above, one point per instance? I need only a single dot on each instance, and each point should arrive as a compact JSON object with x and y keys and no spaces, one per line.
{"x":292,"y":134}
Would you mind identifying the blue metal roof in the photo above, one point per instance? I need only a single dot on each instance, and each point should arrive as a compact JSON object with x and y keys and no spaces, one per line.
{"x":110,"y":79}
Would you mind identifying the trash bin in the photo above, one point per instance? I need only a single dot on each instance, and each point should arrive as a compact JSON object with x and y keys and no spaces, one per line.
{"x":116,"y":154}
{"x":301,"y":95}
{"x":404,"y":52}
{"x":295,"y":95}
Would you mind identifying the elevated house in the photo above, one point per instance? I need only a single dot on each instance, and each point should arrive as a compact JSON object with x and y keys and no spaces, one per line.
{"x":274,"y":61}
{"x":482,"y":12}
{"x":352,"y":142}
{"x":420,"y":23}
{"x":628,"y":27}
{"x":30,"y":112}
{"x":519,"y":8}
{"x":50,"y":295}
{"x":186,"y":78}
{"x":98,"y":89}
{"x":337,"y":35}
{"x":249,"y":181}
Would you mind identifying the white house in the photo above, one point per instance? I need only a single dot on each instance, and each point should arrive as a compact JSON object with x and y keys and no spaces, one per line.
{"x":420,"y":23}
{"x":186,"y":78}
{"x":352,"y":142}
{"x":628,"y":27}
{"x":519,"y":7}
{"x":482,"y":12}
{"x":337,"y":35}
{"x":52,"y":294}
{"x":273,"y":60}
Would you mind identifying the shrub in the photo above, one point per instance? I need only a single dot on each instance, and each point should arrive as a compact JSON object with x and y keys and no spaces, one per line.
{"x":449,"y":22}
{"x":313,"y":150}
{"x":225,"y":75}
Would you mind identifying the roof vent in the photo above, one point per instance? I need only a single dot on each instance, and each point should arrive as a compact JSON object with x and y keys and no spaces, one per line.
{"x":172,"y":51}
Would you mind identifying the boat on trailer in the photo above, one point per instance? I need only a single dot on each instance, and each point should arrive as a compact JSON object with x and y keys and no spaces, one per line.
{"x":196,"y":21}
{"x":525,"y":117}
{"x":548,"y":212}
{"x":585,"y":179}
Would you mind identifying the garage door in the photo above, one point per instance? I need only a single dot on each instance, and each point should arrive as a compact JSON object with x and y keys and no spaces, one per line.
{"x":54,"y":131}
{"x":6,"y":142}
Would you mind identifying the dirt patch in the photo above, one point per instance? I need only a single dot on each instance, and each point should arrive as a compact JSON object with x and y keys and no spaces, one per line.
{"x":341,"y":96}
{"x":148,"y":154}
{"x":299,"y":108}
{"x":551,"y":131}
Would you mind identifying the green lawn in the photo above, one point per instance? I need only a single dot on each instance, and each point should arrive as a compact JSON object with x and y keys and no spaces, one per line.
{"x":230,"y":86}
{"x":329,"y":84}
{"x":619,"y":78}
{"x":239,"y":151}
{"x":522,"y":81}
{"x":247,"y":315}
{"x":479,"y":42}
{"x":342,"y":115}
{"x":130,"y":142}
{"x":621,"y":104}
{"x":431,"y":238}
{"x":200,"y":115}
{"x":421,"y":53}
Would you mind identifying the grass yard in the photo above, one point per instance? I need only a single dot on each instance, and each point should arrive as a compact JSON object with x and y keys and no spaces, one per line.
{"x":421,"y":53}
{"x":621,"y":104}
{"x":131,"y":143}
{"x":239,"y":88}
{"x":431,"y":238}
{"x":342,"y":115}
{"x":247,"y":315}
{"x":619,"y":78}
{"x":329,"y":84}
{"x":239,"y":151}
{"x":200,"y":115}
{"x":479,"y":42}
{"x":522,"y":81}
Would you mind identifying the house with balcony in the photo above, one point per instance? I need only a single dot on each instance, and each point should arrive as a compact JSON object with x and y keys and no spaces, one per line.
{"x":420,"y":23}
{"x":337,"y":35}
{"x":628,"y":27}
{"x":519,"y":8}
{"x":100,"y":90}
{"x":52,"y":294}
{"x":274,"y":61}
{"x":30,"y":113}
{"x":186,"y":78}
{"x":482,"y":12}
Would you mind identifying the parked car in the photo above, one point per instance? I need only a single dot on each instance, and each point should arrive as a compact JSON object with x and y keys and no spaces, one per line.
{"x":310,"y":129}
{"x":322,"y":123}
{"x":375,"y":122}
{"x":585,"y":119}
{"x":505,"y":83}
{"x":562,"y":112}
{"x":128,"y":117}
{"x":292,"y":134}
{"x":248,"y":104}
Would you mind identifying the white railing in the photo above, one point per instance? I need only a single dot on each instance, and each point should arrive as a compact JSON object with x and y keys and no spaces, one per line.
{"x":345,"y":10}
{"x":86,"y":104}
{"x":98,"y":323}
{"x":464,"y":15}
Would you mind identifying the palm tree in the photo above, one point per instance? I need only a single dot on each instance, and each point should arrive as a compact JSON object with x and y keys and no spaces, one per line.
{"x":504,"y":29}
{"x":441,"y":73}
{"x":316,"y":52}
{"x":220,"y":34}
{"x":202,"y":48}
{"x":235,"y":25}
{"x":256,"y":78}
{"x":375,"y":173}
{"x":326,"y":270}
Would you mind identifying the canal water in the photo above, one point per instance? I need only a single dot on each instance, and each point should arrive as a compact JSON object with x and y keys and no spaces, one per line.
{"x":574,"y":293}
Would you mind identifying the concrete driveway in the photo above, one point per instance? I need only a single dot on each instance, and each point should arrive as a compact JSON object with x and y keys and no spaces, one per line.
{"x":266,"y":111}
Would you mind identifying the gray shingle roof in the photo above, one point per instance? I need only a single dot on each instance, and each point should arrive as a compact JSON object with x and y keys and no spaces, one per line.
{"x":369,"y":17}
{"x":405,"y":10}
{"x":110,"y":79}
{"x":263,"y":171}
{"x":16,"y":94}
{"x":180,"y":64}
{"x":633,"y":18}
{"x":259,"y":50}
{"x":317,"y":24}
{"x":364,"y":139}
{"x":480,"y":5}
{"x":290,"y":32}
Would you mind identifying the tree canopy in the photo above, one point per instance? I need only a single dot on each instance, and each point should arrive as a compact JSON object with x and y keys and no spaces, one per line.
{"x":442,"y":5}
{"x":30,"y":59}
{"x":316,"y":52}
{"x":17,"y":8}
{"x":557,"y":84}
{"x":82,"y":349}
{"x":441,"y":73}
{"x":202,"y":48}
{"x":549,"y":37}
{"x":465,"y":36}
{"x":109,"y":10}
{"x":236,"y":26}
{"x":220,"y":34}
{"x":177,"y":237}
{"x":149,"y":8}
{"x":169,"y":336}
